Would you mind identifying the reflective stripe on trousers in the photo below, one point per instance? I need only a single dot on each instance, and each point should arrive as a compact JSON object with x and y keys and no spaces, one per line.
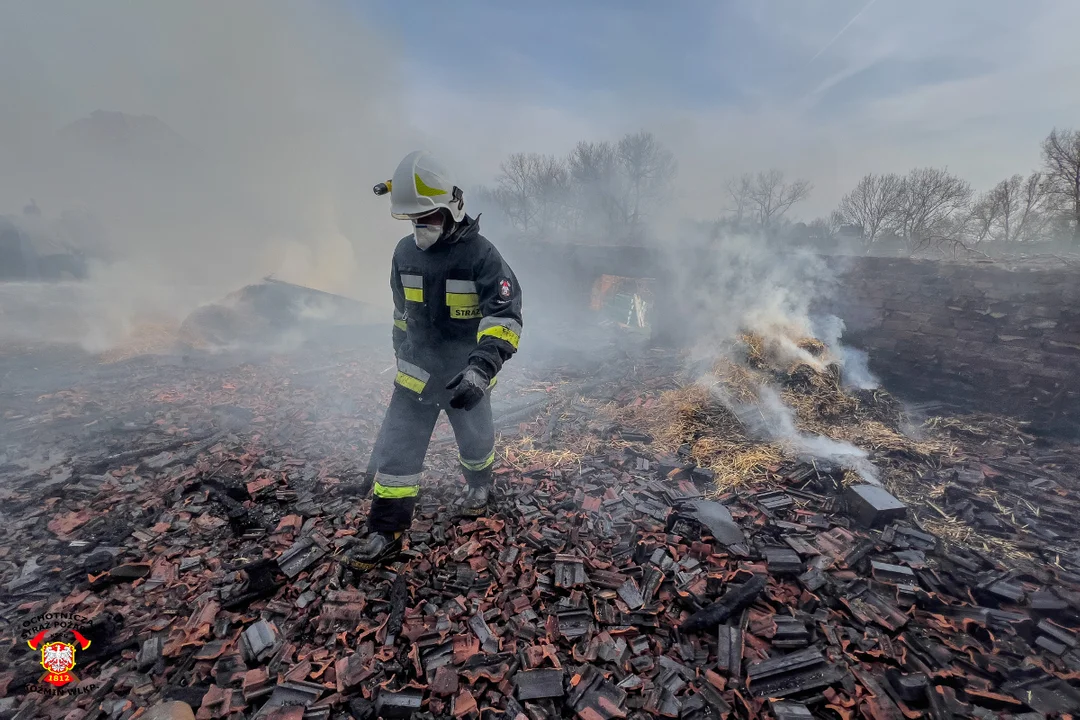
{"x":394,"y":487}
{"x":476,"y":465}
{"x":402,"y":444}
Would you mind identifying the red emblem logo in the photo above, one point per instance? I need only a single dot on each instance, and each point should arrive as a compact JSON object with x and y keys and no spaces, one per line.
{"x":58,"y":658}
{"x":504,"y":289}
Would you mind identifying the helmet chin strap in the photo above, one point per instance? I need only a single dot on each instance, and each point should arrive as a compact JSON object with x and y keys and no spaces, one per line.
{"x":449,"y":227}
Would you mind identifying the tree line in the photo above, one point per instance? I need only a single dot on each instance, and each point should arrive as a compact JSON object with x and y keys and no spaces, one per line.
{"x":599,"y":190}
{"x":606,"y":192}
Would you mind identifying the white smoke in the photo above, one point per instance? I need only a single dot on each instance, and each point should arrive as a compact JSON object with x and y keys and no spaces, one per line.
{"x":193,"y":157}
{"x":740,"y":283}
{"x":769,"y":419}
{"x":854,"y":363}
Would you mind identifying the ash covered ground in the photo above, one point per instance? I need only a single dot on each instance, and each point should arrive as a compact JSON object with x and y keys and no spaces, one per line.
{"x":652,"y":549}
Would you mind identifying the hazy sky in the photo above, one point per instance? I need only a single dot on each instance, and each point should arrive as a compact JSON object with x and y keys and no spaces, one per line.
{"x":829,"y":89}
{"x":294,"y":109}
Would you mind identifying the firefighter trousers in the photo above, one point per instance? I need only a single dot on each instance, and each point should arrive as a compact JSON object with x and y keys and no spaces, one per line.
{"x":398,"y":457}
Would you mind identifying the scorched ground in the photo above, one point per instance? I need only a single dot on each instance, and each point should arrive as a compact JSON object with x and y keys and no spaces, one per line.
{"x":646,"y":556}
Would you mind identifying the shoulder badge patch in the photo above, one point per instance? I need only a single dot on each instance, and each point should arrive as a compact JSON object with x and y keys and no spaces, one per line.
{"x":505,"y":291}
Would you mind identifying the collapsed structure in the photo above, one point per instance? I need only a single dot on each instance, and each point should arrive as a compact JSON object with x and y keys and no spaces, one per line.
{"x":664,"y":542}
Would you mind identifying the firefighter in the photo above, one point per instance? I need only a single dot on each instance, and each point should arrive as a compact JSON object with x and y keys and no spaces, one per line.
{"x":457,"y":319}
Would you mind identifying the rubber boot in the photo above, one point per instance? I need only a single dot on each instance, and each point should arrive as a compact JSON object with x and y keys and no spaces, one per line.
{"x":475,"y":502}
{"x":376,"y":550}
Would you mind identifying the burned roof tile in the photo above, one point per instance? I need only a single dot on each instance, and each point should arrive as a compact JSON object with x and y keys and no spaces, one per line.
{"x":445,"y":681}
{"x":260,"y":640}
{"x":782,"y":561}
{"x":539,"y":684}
{"x":801,"y":671}
{"x":301,"y":555}
{"x":893,"y":574}
{"x":400,"y":704}
{"x":569,"y":571}
{"x":786,"y":710}
{"x":873,"y":506}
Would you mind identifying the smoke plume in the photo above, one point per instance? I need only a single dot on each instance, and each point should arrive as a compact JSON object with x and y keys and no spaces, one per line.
{"x":854,"y":363}
{"x":189,"y":148}
{"x":745,"y":284}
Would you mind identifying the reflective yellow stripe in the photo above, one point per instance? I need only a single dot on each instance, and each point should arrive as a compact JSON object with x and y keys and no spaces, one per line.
{"x":410,"y":383}
{"x":395,"y":493}
{"x":400,"y":325}
{"x":426,"y":190}
{"x":411,"y":376}
{"x":504,"y":328}
{"x":498,"y":331}
{"x":413,"y":286}
{"x":387,"y":480}
{"x":492,"y":383}
{"x":462,"y":299}
{"x":478,"y":464}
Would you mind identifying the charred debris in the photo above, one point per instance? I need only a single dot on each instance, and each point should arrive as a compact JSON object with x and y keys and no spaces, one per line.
{"x":192,"y":515}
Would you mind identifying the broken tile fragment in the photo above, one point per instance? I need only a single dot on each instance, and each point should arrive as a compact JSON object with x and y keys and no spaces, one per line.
{"x":149,"y":653}
{"x":301,"y":555}
{"x":782,"y":561}
{"x":893,"y":574}
{"x":569,"y":571}
{"x":169,"y":710}
{"x":539,"y":684}
{"x":445,"y":681}
{"x":259,"y":641}
{"x":784,"y":710}
{"x":873,"y":506}
{"x":399,"y":704}
{"x":796,"y":673}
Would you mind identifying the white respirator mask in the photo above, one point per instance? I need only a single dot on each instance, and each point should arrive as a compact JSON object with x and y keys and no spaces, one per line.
{"x":426,"y":235}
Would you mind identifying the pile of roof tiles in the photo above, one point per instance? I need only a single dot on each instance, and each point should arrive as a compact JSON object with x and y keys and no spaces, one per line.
{"x":617,"y":589}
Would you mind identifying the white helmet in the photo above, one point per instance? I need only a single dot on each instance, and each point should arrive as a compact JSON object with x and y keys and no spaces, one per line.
{"x":421,"y":184}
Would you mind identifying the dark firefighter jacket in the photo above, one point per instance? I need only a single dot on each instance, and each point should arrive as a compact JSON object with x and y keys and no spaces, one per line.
{"x":456,"y":303}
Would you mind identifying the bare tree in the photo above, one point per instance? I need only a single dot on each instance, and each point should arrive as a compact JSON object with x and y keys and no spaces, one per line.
{"x":590,"y":163}
{"x":550,"y":188}
{"x":765,"y":198}
{"x":740,"y":191}
{"x":532,"y":191}
{"x":932,"y":204}
{"x":594,"y":175}
{"x":512,"y":191}
{"x":825,"y":231}
{"x":980,"y":219}
{"x":1061,"y":154}
{"x":616,"y":186}
{"x":872,"y":205}
{"x":649,"y":169}
{"x":1013,"y":211}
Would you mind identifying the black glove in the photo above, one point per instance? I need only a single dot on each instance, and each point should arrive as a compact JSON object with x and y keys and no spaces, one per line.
{"x":469,"y":387}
